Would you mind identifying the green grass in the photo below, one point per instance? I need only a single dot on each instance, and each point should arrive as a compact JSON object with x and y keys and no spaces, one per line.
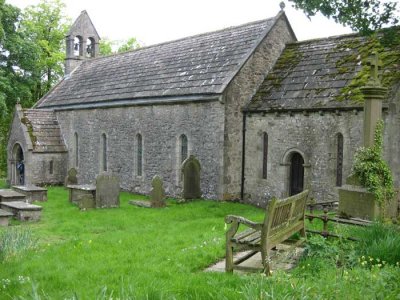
{"x":137,"y":253}
{"x":2,"y":184}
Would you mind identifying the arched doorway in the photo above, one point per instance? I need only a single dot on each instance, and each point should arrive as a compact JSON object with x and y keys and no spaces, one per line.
{"x":296,"y":179}
{"x":18,"y":172}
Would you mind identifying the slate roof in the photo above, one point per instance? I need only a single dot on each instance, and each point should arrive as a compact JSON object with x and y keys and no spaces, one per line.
{"x":44,"y":130}
{"x":198,"y":65}
{"x":316,"y":75}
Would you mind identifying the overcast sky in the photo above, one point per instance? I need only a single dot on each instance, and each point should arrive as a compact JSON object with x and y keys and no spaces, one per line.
{"x":155,"y":21}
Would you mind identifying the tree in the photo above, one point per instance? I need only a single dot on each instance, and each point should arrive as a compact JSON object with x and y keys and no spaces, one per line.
{"x":364,"y":16}
{"x":45,"y":26}
{"x":105,"y":47}
{"x":130,"y":44}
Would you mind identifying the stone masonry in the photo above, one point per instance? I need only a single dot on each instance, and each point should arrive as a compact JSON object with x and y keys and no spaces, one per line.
{"x":239,"y":93}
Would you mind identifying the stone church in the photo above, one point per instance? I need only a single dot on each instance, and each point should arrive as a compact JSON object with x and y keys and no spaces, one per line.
{"x":264,"y":114}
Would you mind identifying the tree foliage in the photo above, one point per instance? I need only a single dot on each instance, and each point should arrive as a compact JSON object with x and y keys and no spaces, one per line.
{"x":44,"y":26}
{"x":107,"y":46}
{"x":363,"y":16}
{"x":130,"y":44}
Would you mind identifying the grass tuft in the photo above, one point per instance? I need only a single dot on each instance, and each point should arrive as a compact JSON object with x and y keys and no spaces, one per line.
{"x":15,"y":241}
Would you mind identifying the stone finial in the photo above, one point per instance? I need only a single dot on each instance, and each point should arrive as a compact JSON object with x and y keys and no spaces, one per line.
{"x":18,"y":101}
{"x":375,"y":66}
{"x":282,"y":5}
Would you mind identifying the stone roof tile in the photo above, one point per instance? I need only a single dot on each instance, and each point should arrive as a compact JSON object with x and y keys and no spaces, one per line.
{"x":197,"y":65}
{"x":315,"y":74}
{"x":44,"y":130}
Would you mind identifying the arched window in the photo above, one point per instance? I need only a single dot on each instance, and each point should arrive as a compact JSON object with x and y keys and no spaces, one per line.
{"x":139,"y":155}
{"x":184,"y":148}
{"x":76,"y":150}
{"x":265,"y":155}
{"x":90,"y":47}
{"x":104,"y":152}
{"x":78,"y":46}
{"x":51,"y":167}
{"x":339,"y":159}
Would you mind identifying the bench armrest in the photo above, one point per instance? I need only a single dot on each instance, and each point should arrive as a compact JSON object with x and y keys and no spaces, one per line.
{"x":236,"y":220}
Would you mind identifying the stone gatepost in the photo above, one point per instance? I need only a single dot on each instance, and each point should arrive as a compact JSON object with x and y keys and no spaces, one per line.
{"x":355,"y":200}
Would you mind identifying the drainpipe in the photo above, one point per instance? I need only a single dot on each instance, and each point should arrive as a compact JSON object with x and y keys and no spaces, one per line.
{"x":243,"y":154}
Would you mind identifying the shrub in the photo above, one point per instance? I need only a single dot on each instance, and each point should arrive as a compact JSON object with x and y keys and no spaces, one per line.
{"x":373,"y":171}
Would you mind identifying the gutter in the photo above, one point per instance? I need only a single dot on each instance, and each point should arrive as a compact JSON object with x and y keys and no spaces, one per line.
{"x":136,"y":102}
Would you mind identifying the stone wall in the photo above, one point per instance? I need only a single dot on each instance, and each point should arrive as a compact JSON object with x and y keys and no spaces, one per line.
{"x":239,"y":93}
{"x":18,"y":135}
{"x":314,"y":136}
{"x":160,"y":127}
{"x":48,"y":168}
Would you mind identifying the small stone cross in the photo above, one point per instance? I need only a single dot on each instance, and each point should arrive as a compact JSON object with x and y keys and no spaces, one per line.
{"x":375,"y":64}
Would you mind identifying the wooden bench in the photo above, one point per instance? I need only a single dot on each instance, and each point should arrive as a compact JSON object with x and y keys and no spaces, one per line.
{"x":283,"y":218}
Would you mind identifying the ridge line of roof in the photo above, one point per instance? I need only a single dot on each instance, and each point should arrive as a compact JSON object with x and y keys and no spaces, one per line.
{"x":180,"y":39}
{"x":333,"y":37}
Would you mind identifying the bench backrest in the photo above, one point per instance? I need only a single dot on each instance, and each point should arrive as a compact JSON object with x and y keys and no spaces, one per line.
{"x":283,"y":218}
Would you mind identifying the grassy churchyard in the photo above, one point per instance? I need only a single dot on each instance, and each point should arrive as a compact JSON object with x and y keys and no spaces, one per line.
{"x":138,"y":253}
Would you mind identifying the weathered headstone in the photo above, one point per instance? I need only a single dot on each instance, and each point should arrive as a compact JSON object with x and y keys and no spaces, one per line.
{"x":71,"y":178}
{"x":157,"y":194}
{"x":107,"y":190}
{"x":191,"y":178}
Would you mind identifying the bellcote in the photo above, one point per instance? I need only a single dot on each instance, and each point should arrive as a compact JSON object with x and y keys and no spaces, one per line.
{"x":82,"y":42}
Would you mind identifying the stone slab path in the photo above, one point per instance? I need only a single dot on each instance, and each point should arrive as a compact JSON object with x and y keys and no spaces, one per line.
{"x":285,"y":257}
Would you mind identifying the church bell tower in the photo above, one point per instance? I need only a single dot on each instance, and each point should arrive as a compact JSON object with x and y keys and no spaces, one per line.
{"x":82,"y":42}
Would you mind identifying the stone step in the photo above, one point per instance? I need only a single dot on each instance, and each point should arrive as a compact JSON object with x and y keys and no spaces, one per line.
{"x":23,"y":211}
{"x":8,"y":195}
{"x":5,"y":217}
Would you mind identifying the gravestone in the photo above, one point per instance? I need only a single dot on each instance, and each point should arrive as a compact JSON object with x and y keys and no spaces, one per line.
{"x":191,"y":178}
{"x":22,"y":211}
{"x":157,"y":194}
{"x":71,"y":178}
{"x":107,"y":190}
{"x":32,"y":192}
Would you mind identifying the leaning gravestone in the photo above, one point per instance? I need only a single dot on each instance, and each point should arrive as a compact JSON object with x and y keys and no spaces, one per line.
{"x":71,"y":178}
{"x":107,"y":190}
{"x":191,"y":178}
{"x":157,"y":195}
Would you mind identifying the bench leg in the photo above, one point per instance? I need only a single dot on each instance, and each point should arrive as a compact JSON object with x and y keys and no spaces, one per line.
{"x":266,"y":262}
{"x":303,"y":233}
{"x":229,"y":258}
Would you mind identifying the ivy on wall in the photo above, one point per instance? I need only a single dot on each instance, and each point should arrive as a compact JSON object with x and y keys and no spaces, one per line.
{"x":373,"y":171}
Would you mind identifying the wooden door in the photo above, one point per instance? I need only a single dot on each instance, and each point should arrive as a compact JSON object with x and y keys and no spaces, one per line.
{"x":296,"y":174}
